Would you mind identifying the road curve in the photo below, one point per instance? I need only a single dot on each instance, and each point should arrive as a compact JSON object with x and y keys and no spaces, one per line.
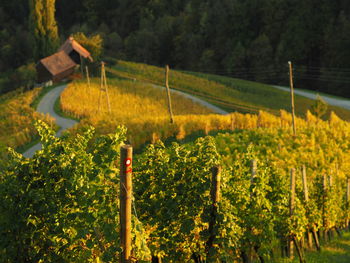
{"x":195,"y":99}
{"x":46,"y":106}
{"x":343,"y":103}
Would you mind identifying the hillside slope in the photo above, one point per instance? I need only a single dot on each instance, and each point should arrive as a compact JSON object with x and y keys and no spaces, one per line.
{"x":227,"y":93}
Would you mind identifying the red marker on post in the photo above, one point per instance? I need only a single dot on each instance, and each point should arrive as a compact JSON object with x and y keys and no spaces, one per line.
{"x":128,"y":163}
{"x":125,"y":202}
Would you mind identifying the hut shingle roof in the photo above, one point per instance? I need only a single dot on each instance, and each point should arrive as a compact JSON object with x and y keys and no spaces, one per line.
{"x":58,"y":63}
{"x":71,"y":44}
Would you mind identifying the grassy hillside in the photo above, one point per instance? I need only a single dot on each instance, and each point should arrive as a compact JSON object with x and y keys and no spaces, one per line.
{"x":17,"y":118}
{"x":228,"y":93}
{"x":128,"y":100}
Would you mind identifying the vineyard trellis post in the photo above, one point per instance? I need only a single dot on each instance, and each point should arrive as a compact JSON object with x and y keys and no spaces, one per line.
{"x":215,"y":198}
{"x":253,"y":169}
{"x":324,"y":196}
{"x":87,"y":76}
{"x":347,"y":201}
{"x":125,"y":202}
{"x":292,"y":96}
{"x":168,"y":93}
{"x":103,"y":88}
{"x":306,"y":197}
{"x":291,"y":210}
{"x":232,"y":122}
{"x":330,"y":184}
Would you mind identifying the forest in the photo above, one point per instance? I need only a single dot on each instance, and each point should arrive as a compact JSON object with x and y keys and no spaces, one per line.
{"x":246,"y":39}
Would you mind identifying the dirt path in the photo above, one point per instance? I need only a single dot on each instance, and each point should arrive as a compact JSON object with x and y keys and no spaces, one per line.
{"x":344,"y":103}
{"x":46,"y":106}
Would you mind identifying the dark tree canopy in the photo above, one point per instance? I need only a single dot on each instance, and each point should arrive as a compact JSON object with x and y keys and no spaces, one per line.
{"x":248,"y":39}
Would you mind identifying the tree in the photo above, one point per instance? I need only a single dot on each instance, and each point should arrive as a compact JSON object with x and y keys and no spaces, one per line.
{"x":92,"y":43}
{"x":319,"y":108}
{"x":24,"y":76}
{"x":44,"y":27}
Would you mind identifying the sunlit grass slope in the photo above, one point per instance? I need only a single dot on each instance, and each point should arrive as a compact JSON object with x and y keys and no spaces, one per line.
{"x":142,"y":109}
{"x":128,"y":100}
{"x":228,"y":93}
{"x":17,"y":118}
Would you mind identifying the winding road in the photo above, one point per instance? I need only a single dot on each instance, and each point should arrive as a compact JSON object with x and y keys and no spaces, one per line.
{"x":46,"y":106}
{"x":195,"y":99}
{"x":340,"y":102}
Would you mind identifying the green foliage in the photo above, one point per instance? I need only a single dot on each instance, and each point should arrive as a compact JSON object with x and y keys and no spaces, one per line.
{"x":61,"y":205}
{"x":44,"y":27}
{"x":165,"y":196}
{"x":93,"y":44}
{"x":319,"y":108}
{"x":230,"y":94}
{"x":24,"y":76}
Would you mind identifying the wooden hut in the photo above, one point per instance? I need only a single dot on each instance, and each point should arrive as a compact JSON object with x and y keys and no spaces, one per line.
{"x":55,"y":67}
{"x":75,"y":50}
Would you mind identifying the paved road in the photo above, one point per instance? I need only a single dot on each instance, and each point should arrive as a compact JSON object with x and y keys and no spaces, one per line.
{"x":46,"y":106}
{"x":344,"y":103}
{"x":195,"y":99}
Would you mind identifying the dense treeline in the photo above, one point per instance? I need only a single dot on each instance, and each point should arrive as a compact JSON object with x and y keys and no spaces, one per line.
{"x":249,"y":39}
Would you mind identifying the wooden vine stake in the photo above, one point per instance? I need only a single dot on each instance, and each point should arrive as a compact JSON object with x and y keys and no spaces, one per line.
{"x":311,"y":234}
{"x":125,"y":202}
{"x":347,"y":202}
{"x":168,"y":93}
{"x":291,"y":210}
{"x":215,"y":198}
{"x":324,"y":219}
{"x":87,"y":76}
{"x":103,"y":88}
{"x":306,"y":197}
{"x":292,"y":240}
{"x":253,"y":167}
{"x":292,"y":96}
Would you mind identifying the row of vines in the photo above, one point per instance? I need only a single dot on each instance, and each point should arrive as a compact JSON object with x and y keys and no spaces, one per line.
{"x":62,"y":205}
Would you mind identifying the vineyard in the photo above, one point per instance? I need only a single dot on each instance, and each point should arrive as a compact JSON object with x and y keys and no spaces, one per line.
{"x":17,"y":118}
{"x":227,"y":93}
{"x":222,"y":198}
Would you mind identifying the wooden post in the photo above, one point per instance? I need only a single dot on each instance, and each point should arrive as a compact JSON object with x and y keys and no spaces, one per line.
{"x":348,"y":191}
{"x":232,"y":122}
{"x":125,"y":202}
{"x":292,"y":96}
{"x":306,"y":190}
{"x":291,"y":209}
{"x":87,"y":76}
{"x":168,"y":93}
{"x":81,"y":66}
{"x":253,"y":168}
{"x":103,"y":87}
{"x":347,"y":200}
{"x":215,"y":198}
{"x":106,"y":86}
{"x":324,"y":219}
{"x":306,"y":196}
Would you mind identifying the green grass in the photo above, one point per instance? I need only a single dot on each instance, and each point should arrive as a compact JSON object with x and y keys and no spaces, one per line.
{"x":59,"y":112}
{"x":336,"y":251}
{"x":264,"y":95}
{"x":227,"y":93}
